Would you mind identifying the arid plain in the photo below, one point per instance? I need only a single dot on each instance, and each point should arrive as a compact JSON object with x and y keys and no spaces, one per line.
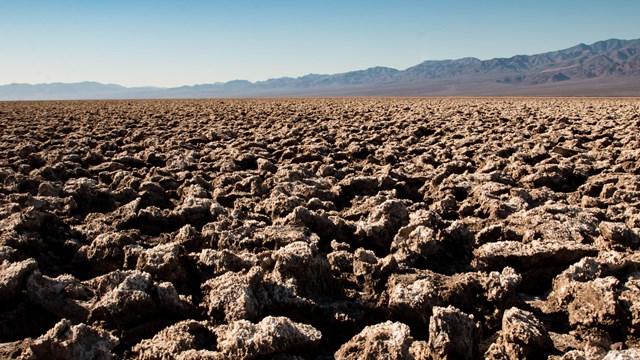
{"x":411,"y":228}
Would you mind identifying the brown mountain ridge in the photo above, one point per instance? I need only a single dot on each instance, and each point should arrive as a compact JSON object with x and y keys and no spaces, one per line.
{"x":605,"y":68}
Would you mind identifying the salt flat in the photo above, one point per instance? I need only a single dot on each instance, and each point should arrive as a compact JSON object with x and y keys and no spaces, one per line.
{"x":320,"y":228}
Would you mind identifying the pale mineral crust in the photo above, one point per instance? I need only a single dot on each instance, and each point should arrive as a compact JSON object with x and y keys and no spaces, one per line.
{"x":422,"y":228}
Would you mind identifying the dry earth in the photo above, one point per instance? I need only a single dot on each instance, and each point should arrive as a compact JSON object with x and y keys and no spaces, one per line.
{"x":346,"y":228}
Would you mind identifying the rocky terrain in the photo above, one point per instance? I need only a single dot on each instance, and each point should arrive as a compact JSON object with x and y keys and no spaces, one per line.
{"x":325,"y":228}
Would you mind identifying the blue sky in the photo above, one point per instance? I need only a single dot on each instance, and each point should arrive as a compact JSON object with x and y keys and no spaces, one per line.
{"x":171,"y":43}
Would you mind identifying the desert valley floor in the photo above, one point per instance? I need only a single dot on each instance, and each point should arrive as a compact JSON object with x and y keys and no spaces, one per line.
{"x":396,"y":228}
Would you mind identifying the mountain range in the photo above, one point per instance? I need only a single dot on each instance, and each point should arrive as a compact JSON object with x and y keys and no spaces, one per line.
{"x":604,"y":68}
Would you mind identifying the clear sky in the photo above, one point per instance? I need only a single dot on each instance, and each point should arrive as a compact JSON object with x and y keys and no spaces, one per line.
{"x":182,"y":42}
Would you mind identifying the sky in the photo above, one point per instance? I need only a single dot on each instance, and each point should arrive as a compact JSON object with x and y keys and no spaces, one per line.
{"x":172,"y":43}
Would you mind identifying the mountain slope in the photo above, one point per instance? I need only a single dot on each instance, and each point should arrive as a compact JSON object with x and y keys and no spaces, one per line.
{"x":604,"y":68}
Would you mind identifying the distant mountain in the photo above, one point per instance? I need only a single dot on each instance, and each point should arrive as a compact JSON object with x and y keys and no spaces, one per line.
{"x":605,"y":68}
{"x":64,"y":91}
{"x":604,"y":58}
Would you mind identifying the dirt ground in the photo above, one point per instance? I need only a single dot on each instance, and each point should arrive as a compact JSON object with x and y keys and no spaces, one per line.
{"x":320,"y":228}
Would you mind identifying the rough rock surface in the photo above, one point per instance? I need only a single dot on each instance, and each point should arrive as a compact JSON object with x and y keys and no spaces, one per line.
{"x":13,"y":277}
{"x":387,"y":340}
{"x":178,"y":340}
{"x":522,"y":336}
{"x":272,"y":335}
{"x":67,"y":341}
{"x":234,"y":296}
{"x":453,"y":334}
{"x":295,"y":229}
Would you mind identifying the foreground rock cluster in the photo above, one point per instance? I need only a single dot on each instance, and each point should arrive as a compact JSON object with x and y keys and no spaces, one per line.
{"x":324,"y":228}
